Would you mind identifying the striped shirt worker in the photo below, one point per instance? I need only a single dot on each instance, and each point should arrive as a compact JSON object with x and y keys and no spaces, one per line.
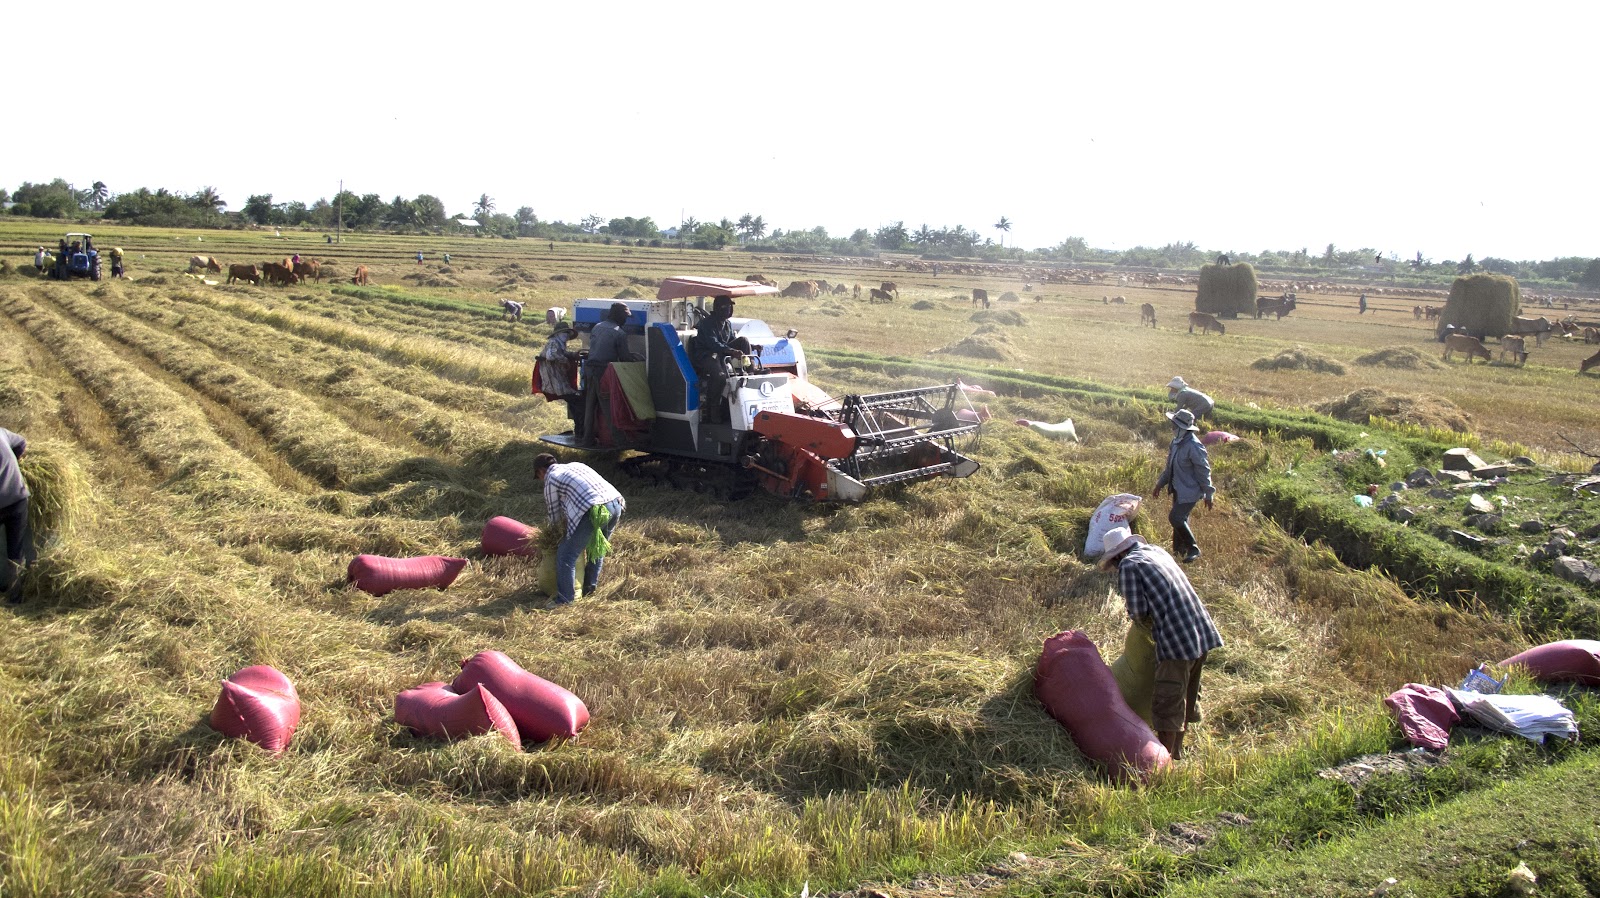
{"x":571,"y":489}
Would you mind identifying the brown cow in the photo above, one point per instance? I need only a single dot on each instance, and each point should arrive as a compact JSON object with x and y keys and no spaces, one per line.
{"x":308,"y":268}
{"x":880,"y":296}
{"x":801,"y":289}
{"x":1147,"y":312}
{"x":1590,"y":362}
{"x":1278,"y":306}
{"x":761,"y":279}
{"x":244,"y":273}
{"x":1118,"y":300}
{"x":840,"y":289}
{"x":980,"y":296}
{"x":1472,"y":346}
{"x":360,"y":275}
{"x":1416,"y":312}
{"x":1514,"y":346}
{"x":204,"y":263}
{"x":856,"y":292}
{"x":278,"y":273}
{"x":1591,"y":335}
{"x":1205,"y":323}
{"x":1431,"y":312}
{"x":890,"y":287}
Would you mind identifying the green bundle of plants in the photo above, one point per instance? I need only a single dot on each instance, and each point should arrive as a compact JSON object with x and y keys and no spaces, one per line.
{"x":1227,"y":289}
{"x":1482,"y":304}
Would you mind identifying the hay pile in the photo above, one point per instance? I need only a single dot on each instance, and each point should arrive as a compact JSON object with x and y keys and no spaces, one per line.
{"x":923,"y":305}
{"x":987,"y":342}
{"x":1008,"y":296}
{"x":1225,"y":289}
{"x":1482,"y":304}
{"x":1371,"y":402}
{"x":1399,"y":357}
{"x":1008,"y":317}
{"x":60,"y":490}
{"x":632,"y":291}
{"x":1299,"y":359}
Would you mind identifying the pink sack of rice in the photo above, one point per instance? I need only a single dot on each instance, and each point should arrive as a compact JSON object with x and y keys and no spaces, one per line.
{"x":541,"y":709}
{"x":1217,"y":436}
{"x":1078,"y":690}
{"x":1425,"y":715}
{"x":380,"y":575}
{"x":259,"y":704}
{"x":1575,"y":660}
{"x":509,"y":536}
{"x":433,"y":709}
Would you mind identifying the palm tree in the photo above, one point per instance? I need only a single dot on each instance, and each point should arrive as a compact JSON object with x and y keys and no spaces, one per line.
{"x":1004,"y":227}
{"x":758,"y":227}
{"x":484,"y":207}
{"x":687,"y":228}
{"x":99,"y":195}
{"x":744,"y":223}
{"x":208,"y":198}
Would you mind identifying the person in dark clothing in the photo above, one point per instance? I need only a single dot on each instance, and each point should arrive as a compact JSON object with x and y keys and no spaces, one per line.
{"x":1159,"y":594}
{"x":1362,"y":305}
{"x":712,"y":344}
{"x":1188,"y":477}
{"x":14,"y":515}
{"x":608,"y":343}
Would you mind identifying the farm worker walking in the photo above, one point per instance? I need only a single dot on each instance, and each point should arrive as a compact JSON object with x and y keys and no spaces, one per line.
{"x":1362,"y":305}
{"x":608,"y":343}
{"x":1158,"y":594}
{"x":14,"y":515}
{"x":419,"y":257}
{"x":1187,"y":397}
{"x":116,"y":262}
{"x":1188,"y":477}
{"x":591,"y":508}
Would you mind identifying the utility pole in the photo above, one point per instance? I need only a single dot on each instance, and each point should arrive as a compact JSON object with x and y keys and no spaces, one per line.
{"x":338,"y":213}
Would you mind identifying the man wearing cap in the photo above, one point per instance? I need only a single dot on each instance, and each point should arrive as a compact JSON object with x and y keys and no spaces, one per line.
{"x":1159,"y":594}
{"x":38,"y":260}
{"x":1188,"y":477}
{"x":608,"y":343}
{"x":712,"y":342}
{"x":1187,"y":397}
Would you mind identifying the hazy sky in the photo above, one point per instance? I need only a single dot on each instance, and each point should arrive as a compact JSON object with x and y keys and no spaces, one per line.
{"x":1450,"y":128}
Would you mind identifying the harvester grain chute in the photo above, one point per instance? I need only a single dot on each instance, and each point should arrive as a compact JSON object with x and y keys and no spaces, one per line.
{"x":761,"y":423}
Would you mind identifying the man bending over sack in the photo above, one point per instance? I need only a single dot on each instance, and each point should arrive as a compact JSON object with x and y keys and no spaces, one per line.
{"x":591,"y":507}
{"x":1158,"y":593}
{"x":14,"y":515}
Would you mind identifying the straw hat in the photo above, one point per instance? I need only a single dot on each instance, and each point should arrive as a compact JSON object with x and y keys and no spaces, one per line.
{"x":1118,"y":540}
{"x":1177,"y":383}
{"x":1183,"y":419}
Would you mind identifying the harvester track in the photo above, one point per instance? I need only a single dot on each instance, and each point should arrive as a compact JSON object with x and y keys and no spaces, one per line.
{"x":718,"y":480}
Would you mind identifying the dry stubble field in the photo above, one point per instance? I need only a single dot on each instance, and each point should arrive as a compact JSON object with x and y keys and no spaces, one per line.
{"x":781,"y":693}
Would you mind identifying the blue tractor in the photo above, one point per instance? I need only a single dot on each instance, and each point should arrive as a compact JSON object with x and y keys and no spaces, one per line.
{"x":77,"y":259}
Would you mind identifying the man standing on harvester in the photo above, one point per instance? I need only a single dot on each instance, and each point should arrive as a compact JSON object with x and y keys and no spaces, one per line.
{"x":1159,"y":595}
{"x":608,"y":343}
{"x":589,"y":508}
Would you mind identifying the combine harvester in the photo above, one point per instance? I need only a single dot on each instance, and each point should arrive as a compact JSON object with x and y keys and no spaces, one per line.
{"x":769,"y":427}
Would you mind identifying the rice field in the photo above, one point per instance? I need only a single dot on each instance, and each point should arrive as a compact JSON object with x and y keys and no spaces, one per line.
{"x":782,"y":695}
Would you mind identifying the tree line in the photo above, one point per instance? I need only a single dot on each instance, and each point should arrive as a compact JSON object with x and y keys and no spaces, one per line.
{"x":426,"y":214}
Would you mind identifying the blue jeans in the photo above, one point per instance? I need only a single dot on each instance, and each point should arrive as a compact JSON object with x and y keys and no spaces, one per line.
{"x":1182,"y":537}
{"x":573,"y":546}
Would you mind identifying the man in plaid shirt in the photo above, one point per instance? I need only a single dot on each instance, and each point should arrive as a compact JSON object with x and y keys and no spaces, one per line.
{"x":591,"y":507}
{"x":1157,"y":591}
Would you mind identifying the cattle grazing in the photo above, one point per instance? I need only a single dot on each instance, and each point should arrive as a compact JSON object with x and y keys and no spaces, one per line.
{"x":511,"y":309}
{"x":1205,"y":323}
{"x":1416,"y":312}
{"x":1147,"y":314}
{"x":1513,"y":346}
{"x":840,"y":289}
{"x":761,"y":279}
{"x":244,"y":273}
{"x":824,"y":287}
{"x":856,"y":292}
{"x":1118,"y":300}
{"x":890,"y":287}
{"x":360,"y":277}
{"x":880,"y":296}
{"x":278,"y":273}
{"x":1540,"y":328}
{"x":1431,"y":312}
{"x":1590,"y":362}
{"x":1472,"y":346}
{"x":801,"y":289}
{"x":308,"y":268}
{"x":1591,"y":335}
{"x":980,"y":296}
{"x":204,"y":263}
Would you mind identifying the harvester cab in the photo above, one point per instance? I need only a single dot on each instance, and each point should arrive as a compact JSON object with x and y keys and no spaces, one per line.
{"x":758,"y":421}
{"x":77,"y":258}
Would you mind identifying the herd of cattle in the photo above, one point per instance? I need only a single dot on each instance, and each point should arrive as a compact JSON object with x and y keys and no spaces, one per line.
{"x":285,"y":273}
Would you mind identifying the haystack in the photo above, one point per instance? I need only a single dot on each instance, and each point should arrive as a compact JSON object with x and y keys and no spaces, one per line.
{"x":987,"y":342}
{"x":1008,"y":317}
{"x":1227,"y":289}
{"x":1482,"y":304}
{"x":1399,"y":357}
{"x":1371,"y":402}
{"x":1298,"y":359}
{"x":632,"y":291}
{"x":923,"y":305}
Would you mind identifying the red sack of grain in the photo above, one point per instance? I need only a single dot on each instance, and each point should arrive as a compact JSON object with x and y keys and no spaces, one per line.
{"x":258,"y":703}
{"x":1425,"y":715}
{"x":433,"y":709}
{"x":1577,"y":660}
{"x":1079,"y":691}
{"x":380,"y":575}
{"x":541,"y":708}
{"x":509,"y":536}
